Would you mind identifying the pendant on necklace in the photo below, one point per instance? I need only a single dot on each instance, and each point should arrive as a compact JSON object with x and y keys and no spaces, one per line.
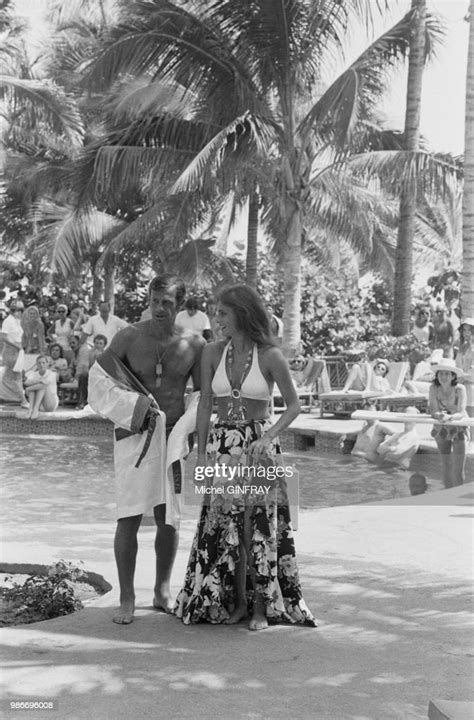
{"x":159,"y":373}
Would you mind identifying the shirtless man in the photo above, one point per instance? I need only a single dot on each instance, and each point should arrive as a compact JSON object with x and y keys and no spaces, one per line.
{"x":162,"y":356}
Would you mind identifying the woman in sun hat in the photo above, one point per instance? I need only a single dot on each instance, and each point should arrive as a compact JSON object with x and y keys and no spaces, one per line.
{"x":447,"y":402}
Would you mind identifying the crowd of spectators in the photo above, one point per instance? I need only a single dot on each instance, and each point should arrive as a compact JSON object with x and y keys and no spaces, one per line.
{"x":47,"y":350}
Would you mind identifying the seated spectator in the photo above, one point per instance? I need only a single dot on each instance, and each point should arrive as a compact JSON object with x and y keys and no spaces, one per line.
{"x":370,"y":436}
{"x":80,"y":368}
{"x":59,"y":364}
{"x":41,"y":388}
{"x":417,"y":484}
{"x":401,"y":447}
{"x":100,"y":341}
{"x":191,"y":318}
{"x":309,"y":371}
{"x":366,"y":377}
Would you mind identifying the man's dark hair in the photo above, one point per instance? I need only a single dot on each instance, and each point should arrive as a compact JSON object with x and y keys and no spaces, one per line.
{"x":165,"y":282}
{"x":191,"y":304}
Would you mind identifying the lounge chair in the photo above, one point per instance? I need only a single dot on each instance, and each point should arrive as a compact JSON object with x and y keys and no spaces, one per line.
{"x":398,"y":400}
{"x":308,"y":383}
{"x":343,"y":404}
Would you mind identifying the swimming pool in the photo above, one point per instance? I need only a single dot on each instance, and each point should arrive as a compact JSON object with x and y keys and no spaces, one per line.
{"x":62,"y":478}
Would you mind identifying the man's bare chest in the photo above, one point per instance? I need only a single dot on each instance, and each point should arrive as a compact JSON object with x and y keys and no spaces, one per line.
{"x":170,"y":359}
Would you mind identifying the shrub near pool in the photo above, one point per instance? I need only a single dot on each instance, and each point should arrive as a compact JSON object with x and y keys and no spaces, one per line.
{"x":42,"y":597}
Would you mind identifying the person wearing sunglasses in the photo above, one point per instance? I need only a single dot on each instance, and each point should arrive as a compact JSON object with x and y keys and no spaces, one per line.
{"x":62,"y":330}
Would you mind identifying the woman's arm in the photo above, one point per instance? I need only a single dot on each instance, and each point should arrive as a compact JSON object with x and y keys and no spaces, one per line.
{"x":279,"y":372}
{"x":461,"y":403}
{"x":434,"y":407}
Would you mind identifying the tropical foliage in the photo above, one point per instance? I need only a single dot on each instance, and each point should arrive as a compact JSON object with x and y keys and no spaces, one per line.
{"x":153,"y":123}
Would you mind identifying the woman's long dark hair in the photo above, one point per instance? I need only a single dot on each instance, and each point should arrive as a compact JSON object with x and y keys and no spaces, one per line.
{"x":250,"y":314}
{"x":454,"y":380}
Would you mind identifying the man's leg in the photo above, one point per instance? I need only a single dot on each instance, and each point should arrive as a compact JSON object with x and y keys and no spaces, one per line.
{"x":166,"y":545}
{"x":125,"y":548}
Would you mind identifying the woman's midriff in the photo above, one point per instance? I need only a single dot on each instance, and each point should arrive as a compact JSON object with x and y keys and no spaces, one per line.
{"x":254,"y":409}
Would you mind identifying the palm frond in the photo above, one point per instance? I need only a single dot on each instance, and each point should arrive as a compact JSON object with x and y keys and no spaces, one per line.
{"x":435,"y":174}
{"x":244,"y":133}
{"x":68,"y":236}
{"x":38,"y":103}
{"x":354,"y":94}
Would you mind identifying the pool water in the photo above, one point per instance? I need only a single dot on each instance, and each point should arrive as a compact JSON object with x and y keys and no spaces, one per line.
{"x":71,"y":480}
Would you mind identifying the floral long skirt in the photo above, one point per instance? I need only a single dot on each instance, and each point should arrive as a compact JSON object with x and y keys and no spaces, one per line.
{"x":209,"y":592}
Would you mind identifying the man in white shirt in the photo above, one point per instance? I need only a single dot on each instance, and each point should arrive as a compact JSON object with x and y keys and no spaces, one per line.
{"x":102,"y":324}
{"x":191,"y":318}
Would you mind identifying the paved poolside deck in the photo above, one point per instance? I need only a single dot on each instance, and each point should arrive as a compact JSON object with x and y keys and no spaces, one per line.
{"x":391,"y":585}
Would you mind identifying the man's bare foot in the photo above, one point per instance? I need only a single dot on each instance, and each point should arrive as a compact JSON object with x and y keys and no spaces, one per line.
{"x":237,"y":615}
{"x":34,"y":415}
{"x":163,"y":603}
{"x":125,"y":614}
{"x":258,"y":622}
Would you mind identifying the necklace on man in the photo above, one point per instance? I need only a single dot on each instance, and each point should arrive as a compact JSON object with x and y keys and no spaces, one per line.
{"x":236,"y":412}
{"x":159,"y":366}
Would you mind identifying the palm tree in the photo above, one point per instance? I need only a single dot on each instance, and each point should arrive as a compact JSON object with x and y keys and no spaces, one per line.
{"x":249,"y":73}
{"x":467,"y":290}
{"x":406,"y":230}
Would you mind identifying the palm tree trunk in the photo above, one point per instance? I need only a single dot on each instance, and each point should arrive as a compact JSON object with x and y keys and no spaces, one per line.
{"x":109,"y":284}
{"x":467,"y":289}
{"x":292,"y":287}
{"x":406,"y":229}
{"x":252,"y":232}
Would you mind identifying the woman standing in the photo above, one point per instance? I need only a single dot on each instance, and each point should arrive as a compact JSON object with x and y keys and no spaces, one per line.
{"x":243,"y":559}
{"x":465,"y":360}
{"x":33,"y":339}
{"x":62,"y":330}
{"x":448,"y":402}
